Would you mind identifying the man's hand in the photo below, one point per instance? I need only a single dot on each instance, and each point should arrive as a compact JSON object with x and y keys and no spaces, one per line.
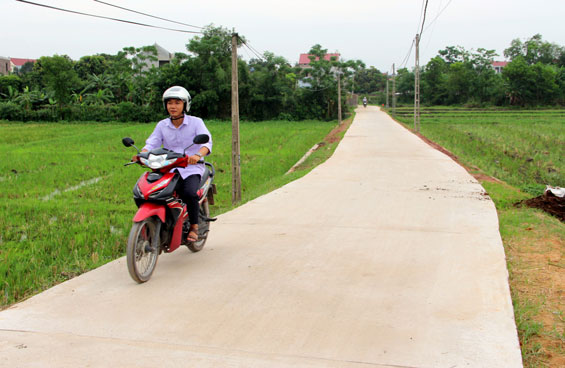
{"x":193,"y":160}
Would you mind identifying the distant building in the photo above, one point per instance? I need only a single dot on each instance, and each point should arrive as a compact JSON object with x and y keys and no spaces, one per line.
{"x":163,"y":57}
{"x":304,"y":62}
{"x":304,"y":59}
{"x":498,"y":66}
{"x":12,"y":65}
{"x":5,"y":65}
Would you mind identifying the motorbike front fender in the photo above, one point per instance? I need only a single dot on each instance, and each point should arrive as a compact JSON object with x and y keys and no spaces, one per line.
{"x":149,"y":209}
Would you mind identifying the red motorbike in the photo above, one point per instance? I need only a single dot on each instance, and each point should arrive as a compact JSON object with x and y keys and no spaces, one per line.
{"x":161,"y":223}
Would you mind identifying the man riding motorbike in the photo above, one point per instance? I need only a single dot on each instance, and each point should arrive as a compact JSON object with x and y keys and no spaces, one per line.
{"x":176,"y":133}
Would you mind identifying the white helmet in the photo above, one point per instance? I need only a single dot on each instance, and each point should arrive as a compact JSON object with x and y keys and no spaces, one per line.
{"x":179,"y":93}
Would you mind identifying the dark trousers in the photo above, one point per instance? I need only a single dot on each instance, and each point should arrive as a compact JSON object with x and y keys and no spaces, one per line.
{"x":186,"y":189}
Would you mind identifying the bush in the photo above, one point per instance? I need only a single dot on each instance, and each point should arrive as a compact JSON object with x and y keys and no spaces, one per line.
{"x":11,"y":111}
{"x":45,"y":114}
{"x":126,"y":111}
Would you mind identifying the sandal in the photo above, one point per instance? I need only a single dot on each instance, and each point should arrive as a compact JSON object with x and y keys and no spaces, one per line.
{"x":193,"y":234}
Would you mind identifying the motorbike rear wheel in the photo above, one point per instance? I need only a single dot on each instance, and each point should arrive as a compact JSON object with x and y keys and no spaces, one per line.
{"x":203,"y":228}
{"x":142,"y":249}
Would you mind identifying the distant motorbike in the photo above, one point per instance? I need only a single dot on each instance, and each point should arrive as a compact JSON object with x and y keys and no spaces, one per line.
{"x":161,"y":223}
{"x":364,"y":103}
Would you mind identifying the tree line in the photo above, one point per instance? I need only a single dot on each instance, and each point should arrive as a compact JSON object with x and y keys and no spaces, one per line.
{"x":535,"y":76}
{"x":123,"y":87}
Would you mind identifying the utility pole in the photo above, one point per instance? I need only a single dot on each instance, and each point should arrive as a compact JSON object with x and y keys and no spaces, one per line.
{"x":393,"y":91}
{"x":235,"y":157}
{"x":387,"y":90}
{"x":338,"y":98}
{"x":417,"y":87}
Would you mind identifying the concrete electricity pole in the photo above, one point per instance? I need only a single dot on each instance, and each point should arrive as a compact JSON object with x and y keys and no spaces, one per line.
{"x":235,"y":156}
{"x":338,"y":98}
{"x":387,"y":90}
{"x":417,"y":86}
{"x":393,"y":91}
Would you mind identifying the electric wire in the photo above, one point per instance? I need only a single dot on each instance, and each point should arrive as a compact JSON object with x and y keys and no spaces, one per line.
{"x":108,"y":18}
{"x":437,"y":16}
{"x":424,"y":20}
{"x":405,"y":61}
{"x":259,"y":56}
{"x":421,"y":15}
{"x":147,"y":15}
{"x":253,"y":50}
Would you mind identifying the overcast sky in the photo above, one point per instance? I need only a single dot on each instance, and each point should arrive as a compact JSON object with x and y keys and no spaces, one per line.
{"x":378,"y":32}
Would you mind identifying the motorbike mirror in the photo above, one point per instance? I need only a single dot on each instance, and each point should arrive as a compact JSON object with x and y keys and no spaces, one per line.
{"x":201,"y":139}
{"x":127,"y":141}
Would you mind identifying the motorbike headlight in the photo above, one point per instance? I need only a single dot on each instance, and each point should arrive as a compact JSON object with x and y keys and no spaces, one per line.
{"x":156,"y":161}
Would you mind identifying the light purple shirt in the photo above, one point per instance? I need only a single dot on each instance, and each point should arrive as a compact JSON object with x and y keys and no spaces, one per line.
{"x":177,"y":139}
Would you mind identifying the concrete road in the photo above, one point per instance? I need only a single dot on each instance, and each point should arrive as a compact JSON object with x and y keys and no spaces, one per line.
{"x":387,"y":255}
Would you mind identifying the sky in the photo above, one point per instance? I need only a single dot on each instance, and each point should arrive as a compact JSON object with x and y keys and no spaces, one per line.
{"x":377,"y":32}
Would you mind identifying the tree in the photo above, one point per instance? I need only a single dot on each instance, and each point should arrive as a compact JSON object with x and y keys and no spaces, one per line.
{"x":535,"y":50}
{"x":271,"y":85}
{"x":405,"y":85}
{"x":519,"y":79}
{"x":207,"y":75}
{"x":9,"y":85}
{"x":454,"y":54}
{"x":434,"y":82}
{"x":59,"y":76}
{"x":89,"y":65}
{"x":369,"y":80}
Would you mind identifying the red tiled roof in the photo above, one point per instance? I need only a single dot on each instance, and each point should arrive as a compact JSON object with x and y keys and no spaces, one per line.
{"x":500,"y":63}
{"x":304,"y":58}
{"x":20,"y":62}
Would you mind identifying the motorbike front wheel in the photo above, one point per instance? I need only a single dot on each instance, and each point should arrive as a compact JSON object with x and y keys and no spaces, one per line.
{"x":142,"y":249}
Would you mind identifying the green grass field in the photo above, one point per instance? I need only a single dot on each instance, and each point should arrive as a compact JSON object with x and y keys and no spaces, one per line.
{"x":525,"y":148}
{"x":66,"y":203}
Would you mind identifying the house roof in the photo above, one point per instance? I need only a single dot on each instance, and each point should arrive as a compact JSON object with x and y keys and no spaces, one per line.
{"x":500,"y":63}
{"x":304,"y":58}
{"x":162,"y":54}
{"x":20,"y":62}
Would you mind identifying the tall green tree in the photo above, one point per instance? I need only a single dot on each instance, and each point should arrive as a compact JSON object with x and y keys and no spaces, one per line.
{"x":519,"y":79}
{"x":207,"y":74}
{"x":59,"y":76}
{"x":535,"y":50}
{"x":271,"y":87}
{"x":434,"y":82}
{"x":369,"y":80}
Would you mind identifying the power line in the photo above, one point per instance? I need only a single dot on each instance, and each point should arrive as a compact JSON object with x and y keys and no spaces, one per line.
{"x":424,"y":20}
{"x":147,"y":15}
{"x":261,"y":54}
{"x":437,"y":16}
{"x":103,"y":17}
{"x":253,"y":50}
{"x":421,"y":14}
{"x":405,"y":61}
